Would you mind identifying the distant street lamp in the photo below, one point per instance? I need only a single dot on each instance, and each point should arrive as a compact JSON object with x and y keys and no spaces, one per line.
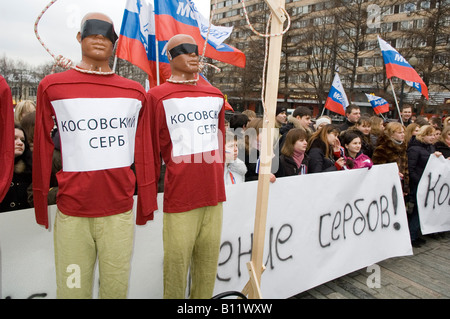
{"x":413,"y":61}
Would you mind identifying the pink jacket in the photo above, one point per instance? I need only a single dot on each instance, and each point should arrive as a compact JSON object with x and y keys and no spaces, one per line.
{"x":361,"y":161}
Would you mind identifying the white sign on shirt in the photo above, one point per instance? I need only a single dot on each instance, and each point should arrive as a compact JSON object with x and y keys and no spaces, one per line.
{"x":97,"y":133}
{"x":193,"y":124}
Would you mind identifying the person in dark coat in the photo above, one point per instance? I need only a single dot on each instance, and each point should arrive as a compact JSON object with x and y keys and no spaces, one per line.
{"x":352,"y":115}
{"x":16,"y":197}
{"x":324,"y":150}
{"x":419,"y":150}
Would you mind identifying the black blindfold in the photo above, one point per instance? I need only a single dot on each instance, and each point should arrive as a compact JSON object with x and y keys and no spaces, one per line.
{"x":95,"y":27}
{"x":183,"y":48}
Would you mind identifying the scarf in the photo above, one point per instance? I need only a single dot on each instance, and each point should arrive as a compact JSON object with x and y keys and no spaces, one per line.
{"x":298,"y":157}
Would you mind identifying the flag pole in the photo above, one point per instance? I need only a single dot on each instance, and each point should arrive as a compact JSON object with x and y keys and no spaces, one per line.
{"x":396,"y":103}
{"x":157,"y":61}
{"x":115,"y":63}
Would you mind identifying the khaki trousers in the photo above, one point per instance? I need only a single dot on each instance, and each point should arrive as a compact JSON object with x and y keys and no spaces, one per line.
{"x":79,"y":241}
{"x":191,"y":239}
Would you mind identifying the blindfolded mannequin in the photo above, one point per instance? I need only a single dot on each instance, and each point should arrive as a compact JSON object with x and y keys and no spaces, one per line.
{"x":94,"y":217}
{"x":193,"y":185}
{"x":183,"y":57}
{"x":97,"y":38}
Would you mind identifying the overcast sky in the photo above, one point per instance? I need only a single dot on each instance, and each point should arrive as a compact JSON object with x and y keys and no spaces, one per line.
{"x":58,"y":27}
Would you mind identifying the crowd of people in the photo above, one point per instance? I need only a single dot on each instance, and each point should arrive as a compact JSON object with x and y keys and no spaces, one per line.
{"x":303,"y":146}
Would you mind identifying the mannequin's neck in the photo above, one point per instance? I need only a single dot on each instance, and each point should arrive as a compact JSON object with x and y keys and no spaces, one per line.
{"x":92,"y":65}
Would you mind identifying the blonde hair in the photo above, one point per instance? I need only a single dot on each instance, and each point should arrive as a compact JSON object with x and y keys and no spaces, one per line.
{"x":392,"y":127}
{"x":23,"y":108}
{"x":409,"y":132}
{"x":424,"y":130}
{"x":445,"y":132}
{"x":250,"y":114}
{"x":447,"y":121}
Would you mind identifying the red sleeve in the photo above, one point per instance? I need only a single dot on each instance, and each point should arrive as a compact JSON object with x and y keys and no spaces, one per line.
{"x":155,"y":136}
{"x":6,"y":138}
{"x":144,"y":164}
{"x":42,"y":155}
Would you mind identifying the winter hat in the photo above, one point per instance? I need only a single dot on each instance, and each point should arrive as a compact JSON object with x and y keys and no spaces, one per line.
{"x":280,"y":109}
{"x":322,"y":120}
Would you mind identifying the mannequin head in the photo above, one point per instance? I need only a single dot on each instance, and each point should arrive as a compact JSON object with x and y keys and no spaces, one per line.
{"x":97,"y":39}
{"x":182,"y":52}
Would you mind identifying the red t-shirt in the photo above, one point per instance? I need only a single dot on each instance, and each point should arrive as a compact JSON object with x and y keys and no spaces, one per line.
{"x":6,"y":138}
{"x":189,"y":135}
{"x":104,"y":128}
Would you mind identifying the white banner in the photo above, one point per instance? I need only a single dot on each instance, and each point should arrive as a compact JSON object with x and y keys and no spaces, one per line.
{"x":433,"y":196}
{"x":319,"y":227}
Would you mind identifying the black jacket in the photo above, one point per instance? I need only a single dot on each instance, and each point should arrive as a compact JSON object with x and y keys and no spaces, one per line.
{"x":318,"y":162}
{"x":418,"y":155}
{"x":443,"y":148}
{"x":288,"y":167}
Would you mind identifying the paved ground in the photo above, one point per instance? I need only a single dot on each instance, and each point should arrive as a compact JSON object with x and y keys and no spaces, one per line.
{"x":424,"y":275}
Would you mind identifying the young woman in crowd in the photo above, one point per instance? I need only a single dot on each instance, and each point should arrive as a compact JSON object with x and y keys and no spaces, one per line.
{"x":293,"y":160}
{"x":324,"y":150}
{"x":392,"y":149}
{"x":410,"y":131}
{"x":354,"y":156}
{"x":364,"y":126}
{"x":16,"y":197}
{"x":23,"y":108}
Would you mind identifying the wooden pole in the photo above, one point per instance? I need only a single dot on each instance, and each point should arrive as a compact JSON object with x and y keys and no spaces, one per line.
{"x":255,"y":266}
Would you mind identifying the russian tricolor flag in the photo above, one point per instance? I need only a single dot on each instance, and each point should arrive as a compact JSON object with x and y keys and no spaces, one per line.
{"x":379,"y":104}
{"x":419,"y":87}
{"x":137,"y":43}
{"x":337,"y":100}
{"x":396,"y":65}
{"x":180,"y":16}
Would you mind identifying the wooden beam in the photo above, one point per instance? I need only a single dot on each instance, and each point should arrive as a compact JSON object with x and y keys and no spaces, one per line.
{"x":266,"y":152}
{"x":275,"y":7}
